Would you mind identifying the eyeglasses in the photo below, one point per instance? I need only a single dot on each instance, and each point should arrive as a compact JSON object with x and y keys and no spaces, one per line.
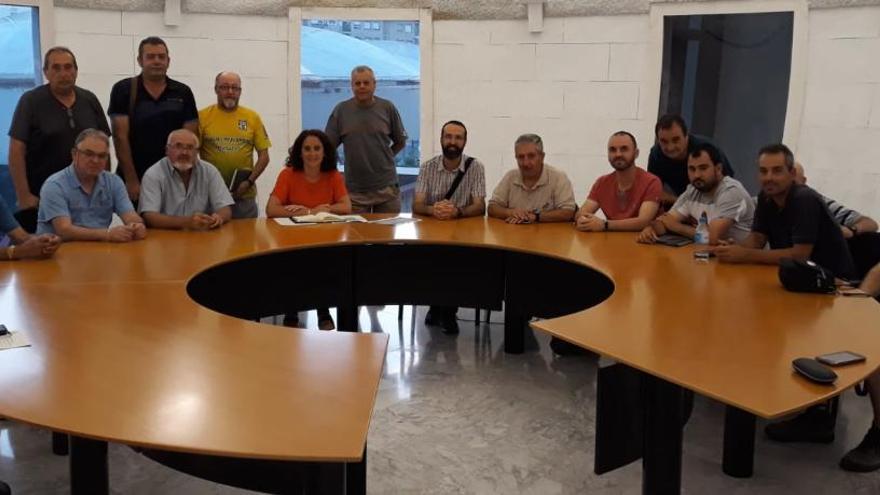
{"x":234,"y":89}
{"x":91,"y":155}
{"x":182,"y":147}
{"x":70,"y":120}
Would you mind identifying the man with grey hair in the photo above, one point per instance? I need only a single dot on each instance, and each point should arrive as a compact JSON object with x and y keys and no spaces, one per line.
{"x":851,"y":222}
{"x":44,"y":127}
{"x":78,"y":202}
{"x":371,"y":132}
{"x":230,"y":134}
{"x":535,"y":192}
{"x":181,"y":191}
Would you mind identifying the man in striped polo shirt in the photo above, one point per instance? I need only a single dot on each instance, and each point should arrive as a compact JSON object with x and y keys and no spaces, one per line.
{"x":851,"y":222}
{"x":450,"y":186}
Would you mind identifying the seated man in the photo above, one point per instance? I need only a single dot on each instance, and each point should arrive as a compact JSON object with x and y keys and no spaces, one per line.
{"x":441,"y":194}
{"x":78,"y":202}
{"x":182,"y":192}
{"x":535,"y":192}
{"x":792,"y":218}
{"x":668,"y":157}
{"x":629,"y":196}
{"x":851,"y":222}
{"x":726,"y":203}
{"x":18,"y":244}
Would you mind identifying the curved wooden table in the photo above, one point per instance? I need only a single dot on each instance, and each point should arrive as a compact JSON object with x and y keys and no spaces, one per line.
{"x":121,"y":353}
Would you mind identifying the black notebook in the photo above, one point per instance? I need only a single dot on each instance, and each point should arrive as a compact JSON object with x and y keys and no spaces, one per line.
{"x":674,"y":240}
{"x":238,"y":176}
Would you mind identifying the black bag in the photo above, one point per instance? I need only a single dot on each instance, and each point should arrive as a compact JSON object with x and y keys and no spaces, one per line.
{"x":805,"y":276}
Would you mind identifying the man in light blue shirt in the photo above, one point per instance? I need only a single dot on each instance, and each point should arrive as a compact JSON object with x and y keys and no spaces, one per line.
{"x":78,"y":202}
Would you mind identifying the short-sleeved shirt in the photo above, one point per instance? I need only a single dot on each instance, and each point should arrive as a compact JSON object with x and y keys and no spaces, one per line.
{"x":804,"y":220}
{"x":553,"y":191}
{"x":292,"y":188}
{"x":63,"y":196}
{"x":230,"y":138}
{"x":162,"y":190}
{"x":367,"y":134}
{"x":729,"y":200}
{"x":7,"y":220}
{"x":153,"y":119}
{"x":842,"y":215}
{"x":673,"y":173}
{"x":435,"y":180}
{"x":49,"y":129}
{"x":619,"y":206}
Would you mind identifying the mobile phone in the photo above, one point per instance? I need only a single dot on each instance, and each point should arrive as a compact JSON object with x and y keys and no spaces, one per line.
{"x":703,"y":255}
{"x":3,"y":330}
{"x":840,"y":358}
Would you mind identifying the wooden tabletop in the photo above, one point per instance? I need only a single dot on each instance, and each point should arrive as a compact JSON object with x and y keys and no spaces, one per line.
{"x":121,"y":353}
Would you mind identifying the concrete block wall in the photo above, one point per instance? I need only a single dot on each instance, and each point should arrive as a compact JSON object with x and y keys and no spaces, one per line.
{"x":574,"y":83}
{"x":840,"y":132}
{"x":106,"y":42}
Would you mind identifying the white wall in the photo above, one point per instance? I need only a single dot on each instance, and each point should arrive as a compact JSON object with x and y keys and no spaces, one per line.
{"x":840,"y":131}
{"x":105,"y":43}
{"x":574,"y":83}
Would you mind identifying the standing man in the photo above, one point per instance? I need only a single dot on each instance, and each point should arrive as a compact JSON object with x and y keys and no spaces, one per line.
{"x":372,"y":133}
{"x":144,"y":110}
{"x":535,"y":192}
{"x":182,"y":192}
{"x":45,"y":125}
{"x":230,"y":134}
{"x":629,"y":197}
{"x":451,"y":185}
{"x":669,"y":156}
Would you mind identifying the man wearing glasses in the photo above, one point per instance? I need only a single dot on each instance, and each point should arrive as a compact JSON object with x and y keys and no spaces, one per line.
{"x":46,"y":122}
{"x":78,"y":202}
{"x":230,"y":133}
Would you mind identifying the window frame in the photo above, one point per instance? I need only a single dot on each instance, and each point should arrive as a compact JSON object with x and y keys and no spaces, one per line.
{"x":799,"y":45}
{"x":295,"y":17}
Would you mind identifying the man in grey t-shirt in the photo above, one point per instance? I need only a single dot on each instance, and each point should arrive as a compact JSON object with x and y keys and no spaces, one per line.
{"x":372,"y":133}
{"x":728,"y":206}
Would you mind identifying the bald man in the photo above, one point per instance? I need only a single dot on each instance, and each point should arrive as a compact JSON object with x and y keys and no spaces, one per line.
{"x":851,"y":222}
{"x":230,"y":135}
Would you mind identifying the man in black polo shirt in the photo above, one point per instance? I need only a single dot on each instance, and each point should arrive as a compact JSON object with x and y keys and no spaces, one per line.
{"x":46,"y":122}
{"x":141,"y":124}
{"x":792,"y":218}
{"x":669,"y":156}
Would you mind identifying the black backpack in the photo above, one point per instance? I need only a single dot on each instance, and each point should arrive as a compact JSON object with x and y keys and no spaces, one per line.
{"x":805,"y":276}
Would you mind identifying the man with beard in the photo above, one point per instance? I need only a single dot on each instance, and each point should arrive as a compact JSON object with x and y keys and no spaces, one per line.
{"x":727,"y":205}
{"x":182,"y":192}
{"x":230,"y":133}
{"x":145,"y":109}
{"x":451,"y":185}
{"x":45,"y":125}
{"x":78,"y":202}
{"x":792,"y":218}
{"x":629,"y":197}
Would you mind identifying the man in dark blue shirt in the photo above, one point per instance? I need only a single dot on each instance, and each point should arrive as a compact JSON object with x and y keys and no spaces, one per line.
{"x":18,"y":244}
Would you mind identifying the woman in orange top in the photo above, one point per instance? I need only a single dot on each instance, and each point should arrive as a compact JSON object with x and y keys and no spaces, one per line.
{"x":309,"y":184}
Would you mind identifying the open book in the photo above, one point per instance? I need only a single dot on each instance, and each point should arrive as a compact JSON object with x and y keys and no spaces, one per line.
{"x":324,"y":217}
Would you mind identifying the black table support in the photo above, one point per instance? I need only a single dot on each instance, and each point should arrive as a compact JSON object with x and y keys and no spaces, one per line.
{"x":88,"y":467}
{"x":356,"y":476}
{"x":661,"y":457}
{"x":60,"y":443}
{"x":739,"y":443}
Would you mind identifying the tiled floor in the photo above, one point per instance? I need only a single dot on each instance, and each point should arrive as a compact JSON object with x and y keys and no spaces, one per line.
{"x":457,"y":415}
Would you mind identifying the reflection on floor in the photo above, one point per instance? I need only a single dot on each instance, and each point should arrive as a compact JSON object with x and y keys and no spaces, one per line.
{"x":457,"y":415}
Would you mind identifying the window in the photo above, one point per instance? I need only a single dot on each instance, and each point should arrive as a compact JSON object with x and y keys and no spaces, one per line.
{"x":714,"y":63}
{"x":19,"y":72}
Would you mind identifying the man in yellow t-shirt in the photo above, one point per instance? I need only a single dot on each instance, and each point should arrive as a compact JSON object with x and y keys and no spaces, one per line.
{"x":230,"y":134}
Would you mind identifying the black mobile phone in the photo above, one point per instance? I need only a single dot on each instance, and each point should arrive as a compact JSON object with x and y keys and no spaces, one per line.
{"x":840,"y":358}
{"x":3,"y":330}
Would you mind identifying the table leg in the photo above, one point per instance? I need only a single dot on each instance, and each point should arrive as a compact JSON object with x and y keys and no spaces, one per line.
{"x":739,"y":443}
{"x":347,"y":317}
{"x":661,"y":457}
{"x":356,"y":476}
{"x":88,"y":467}
{"x":514,"y":328}
{"x":59,"y":443}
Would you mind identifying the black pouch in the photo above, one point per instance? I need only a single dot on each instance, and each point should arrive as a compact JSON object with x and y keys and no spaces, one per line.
{"x":805,"y":276}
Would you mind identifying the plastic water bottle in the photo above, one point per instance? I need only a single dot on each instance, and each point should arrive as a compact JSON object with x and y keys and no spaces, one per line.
{"x":701,"y":236}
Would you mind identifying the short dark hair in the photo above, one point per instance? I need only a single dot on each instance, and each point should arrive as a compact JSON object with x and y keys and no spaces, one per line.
{"x":58,"y":49}
{"x":294,"y":157}
{"x":151,"y":40}
{"x":710,"y":150}
{"x":453,"y":122}
{"x":777,"y":148}
{"x":668,"y":120}
{"x":627,"y":133}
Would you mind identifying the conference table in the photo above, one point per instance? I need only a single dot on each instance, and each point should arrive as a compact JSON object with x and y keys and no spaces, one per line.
{"x":154,"y":344}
